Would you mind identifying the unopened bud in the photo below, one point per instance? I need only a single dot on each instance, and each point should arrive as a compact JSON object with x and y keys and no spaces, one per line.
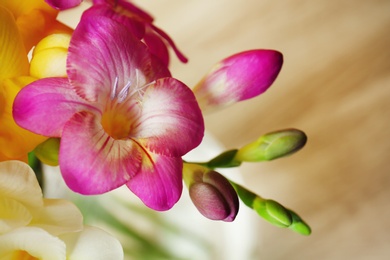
{"x":47,"y":152}
{"x":272,"y":211}
{"x":49,"y":56}
{"x":211,"y":193}
{"x":239,"y":77}
{"x":272,"y":146}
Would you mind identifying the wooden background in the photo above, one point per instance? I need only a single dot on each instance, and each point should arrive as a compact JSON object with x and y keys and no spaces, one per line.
{"x":335,"y":85}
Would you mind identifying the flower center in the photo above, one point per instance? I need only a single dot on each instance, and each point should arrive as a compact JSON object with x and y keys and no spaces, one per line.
{"x":22,"y":255}
{"x":123,"y":108}
{"x":117,"y":125}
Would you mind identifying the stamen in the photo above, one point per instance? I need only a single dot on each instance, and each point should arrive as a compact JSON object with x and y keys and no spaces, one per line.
{"x":113,"y":92}
{"x":124,"y":92}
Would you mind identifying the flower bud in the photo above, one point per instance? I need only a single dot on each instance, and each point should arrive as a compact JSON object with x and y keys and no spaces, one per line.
{"x":272,"y":145}
{"x":211,"y":193}
{"x":239,"y":77}
{"x":49,"y":57}
{"x":272,"y":211}
{"x":47,"y":152}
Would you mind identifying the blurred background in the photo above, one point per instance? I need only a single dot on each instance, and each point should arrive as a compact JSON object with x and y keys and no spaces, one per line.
{"x":334,"y":85}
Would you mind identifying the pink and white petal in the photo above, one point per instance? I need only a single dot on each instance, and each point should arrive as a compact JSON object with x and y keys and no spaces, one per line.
{"x":104,"y":53}
{"x":159,"y":182}
{"x":91,"y":161}
{"x":171,"y":122}
{"x":16,"y":180}
{"x":239,"y":77}
{"x":31,"y":243}
{"x":45,"y":105}
{"x":58,"y":217}
{"x":92,"y":243}
{"x":63,"y":4}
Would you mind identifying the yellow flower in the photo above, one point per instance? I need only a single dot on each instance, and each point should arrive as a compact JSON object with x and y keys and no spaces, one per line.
{"x":15,"y":71}
{"x":15,"y":142}
{"x":33,"y":227}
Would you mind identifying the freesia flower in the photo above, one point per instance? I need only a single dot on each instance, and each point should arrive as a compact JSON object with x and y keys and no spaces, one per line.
{"x":239,"y":77}
{"x":15,"y":142}
{"x":140,"y":23}
{"x":32,"y":227}
{"x":122,"y":119}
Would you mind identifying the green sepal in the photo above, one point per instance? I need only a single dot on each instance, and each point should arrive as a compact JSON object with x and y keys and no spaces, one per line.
{"x":224,"y":160}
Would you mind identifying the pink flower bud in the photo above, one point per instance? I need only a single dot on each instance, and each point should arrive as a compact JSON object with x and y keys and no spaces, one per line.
{"x":214,"y":197}
{"x":239,"y":77}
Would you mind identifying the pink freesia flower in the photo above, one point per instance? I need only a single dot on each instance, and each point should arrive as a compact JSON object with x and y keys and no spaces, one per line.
{"x":239,"y":77}
{"x":122,"y":119}
{"x":63,"y":4}
{"x":140,"y":23}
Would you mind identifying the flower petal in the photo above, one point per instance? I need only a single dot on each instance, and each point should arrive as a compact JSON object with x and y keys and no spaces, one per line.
{"x":16,"y":180}
{"x":35,"y":242}
{"x":13,"y":56}
{"x":21,"y":7}
{"x":102,"y":51}
{"x":156,"y":46}
{"x":63,"y":4}
{"x":58,"y":217}
{"x":171,"y":122}
{"x":136,"y":26}
{"x":238,"y":77}
{"x":12,"y":215}
{"x":92,"y":243}
{"x":159,"y":182}
{"x":15,"y":142}
{"x":46,"y":105}
{"x":91,"y":161}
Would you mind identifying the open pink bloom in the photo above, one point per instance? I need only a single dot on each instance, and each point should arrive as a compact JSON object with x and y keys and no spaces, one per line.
{"x":122,"y":119}
{"x":63,"y":4}
{"x":239,"y":77}
{"x":140,"y":23}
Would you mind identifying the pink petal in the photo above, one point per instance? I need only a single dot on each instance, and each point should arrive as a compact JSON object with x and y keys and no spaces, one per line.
{"x":92,"y":162}
{"x":171,"y":122}
{"x":239,"y":77}
{"x":45,"y":105}
{"x":159,"y":183}
{"x":157,"y":46}
{"x":101,"y":51}
{"x":127,"y":7}
{"x":166,"y":37}
{"x":63,"y":4}
{"x":136,"y":26}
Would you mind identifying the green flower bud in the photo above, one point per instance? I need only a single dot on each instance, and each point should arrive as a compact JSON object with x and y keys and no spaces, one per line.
{"x":47,"y":152}
{"x":211,"y":193}
{"x":298,"y":225}
{"x":272,"y":145}
{"x":272,"y":211}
